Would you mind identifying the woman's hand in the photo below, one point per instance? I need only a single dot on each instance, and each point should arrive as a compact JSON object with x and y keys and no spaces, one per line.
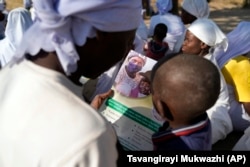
{"x":99,"y":99}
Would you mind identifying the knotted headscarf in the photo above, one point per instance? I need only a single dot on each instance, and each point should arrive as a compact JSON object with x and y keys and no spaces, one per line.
{"x":164,"y":6}
{"x":60,"y":24}
{"x":198,"y":8}
{"x":209,"y":33}
{"x":238,"y":44}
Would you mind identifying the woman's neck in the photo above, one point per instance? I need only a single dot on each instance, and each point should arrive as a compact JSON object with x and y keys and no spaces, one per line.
{"x":47,"y":60}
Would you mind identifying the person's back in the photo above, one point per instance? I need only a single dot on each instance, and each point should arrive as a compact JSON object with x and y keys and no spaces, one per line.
{"x":44,"y":119}
{"x":175,"y":26}
{"x":157,"y":47}
{"x":19,"y":20}
{"x":42,"y":109}
{"x":181,"y":95}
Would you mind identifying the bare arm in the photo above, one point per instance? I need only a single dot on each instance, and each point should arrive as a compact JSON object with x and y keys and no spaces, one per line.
{"x":99,"y":99}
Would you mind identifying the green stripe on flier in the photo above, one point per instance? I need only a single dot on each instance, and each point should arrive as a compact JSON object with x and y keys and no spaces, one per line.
{"x":132,"y":114}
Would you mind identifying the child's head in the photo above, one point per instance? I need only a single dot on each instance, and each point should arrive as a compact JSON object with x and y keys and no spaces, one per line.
{"x":144,"y":84}
{"x":184,"y":87}
{"x":160,"y":31}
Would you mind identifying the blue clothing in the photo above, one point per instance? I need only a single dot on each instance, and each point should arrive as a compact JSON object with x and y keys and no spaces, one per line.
{"x":197,"y":136}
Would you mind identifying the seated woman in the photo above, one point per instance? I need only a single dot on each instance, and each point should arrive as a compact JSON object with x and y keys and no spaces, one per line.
{"x":202,"y":36}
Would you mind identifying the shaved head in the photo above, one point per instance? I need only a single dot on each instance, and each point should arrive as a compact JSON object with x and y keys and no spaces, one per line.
{"x":187,"y":84}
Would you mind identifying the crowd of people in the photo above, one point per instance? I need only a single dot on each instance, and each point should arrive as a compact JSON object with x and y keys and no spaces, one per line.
{"x":51,"y":49}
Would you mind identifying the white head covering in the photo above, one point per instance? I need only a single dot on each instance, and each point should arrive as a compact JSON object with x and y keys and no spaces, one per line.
{"x":238,"y":44}
{"x":198,"y":8}
{"x":18,"y":21}
{"x":60,"y":24}
{"x":132,"y":53}
{"x":164,"y":6}
{"x":209,"y":33}
{"x":27,"y":3}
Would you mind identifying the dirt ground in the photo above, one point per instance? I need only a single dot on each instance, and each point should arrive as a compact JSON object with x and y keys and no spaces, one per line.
{"x":227,"y":16}
{"x":226,"y":13}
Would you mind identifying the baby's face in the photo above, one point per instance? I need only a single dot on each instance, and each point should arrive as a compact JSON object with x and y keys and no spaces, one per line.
{"x":144,"y":87}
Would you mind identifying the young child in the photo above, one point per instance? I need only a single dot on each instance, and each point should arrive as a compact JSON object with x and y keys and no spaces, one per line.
{"x":156,"y":48}
{"x":183,"y":88}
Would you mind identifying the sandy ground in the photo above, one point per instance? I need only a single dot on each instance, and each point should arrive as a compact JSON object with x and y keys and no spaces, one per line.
{"x":226,"y":14}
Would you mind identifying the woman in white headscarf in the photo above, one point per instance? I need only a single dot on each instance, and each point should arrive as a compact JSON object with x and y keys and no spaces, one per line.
{"x":176,"y":28}
{"x":19,"y":20}
{"x":44,"y":121}
{"x":202,"y":36}
{"x":194,"y":9}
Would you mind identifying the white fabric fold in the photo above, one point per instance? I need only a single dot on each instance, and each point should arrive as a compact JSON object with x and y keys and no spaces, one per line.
{"x":198,"y":8}
{"x":60,"y":24}
{"x":164,"y":6}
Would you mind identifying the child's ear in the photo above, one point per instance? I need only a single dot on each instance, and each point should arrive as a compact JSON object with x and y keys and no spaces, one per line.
{"x":163,"y":110}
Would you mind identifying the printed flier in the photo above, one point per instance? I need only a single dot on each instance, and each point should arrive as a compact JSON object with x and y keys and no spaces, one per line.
{"x":130,"y":110}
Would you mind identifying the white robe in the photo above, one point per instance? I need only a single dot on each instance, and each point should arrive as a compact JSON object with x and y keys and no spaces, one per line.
{"x":19,"y":20}
{"x":176,"y":30}
{"x":44,"y":122}
{"x":219,"y":112}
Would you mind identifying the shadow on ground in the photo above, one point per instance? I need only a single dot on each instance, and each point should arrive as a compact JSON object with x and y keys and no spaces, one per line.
{"x":227,"y":19}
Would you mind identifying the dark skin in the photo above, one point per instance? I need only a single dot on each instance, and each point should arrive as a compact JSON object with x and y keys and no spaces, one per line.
{"x":186,"y":17}
{"x":184,"y":105}
{"x":96,"y":56}
{"x":247,"y":107}
{"x":2,"y":16}
{"x":192,"y":45}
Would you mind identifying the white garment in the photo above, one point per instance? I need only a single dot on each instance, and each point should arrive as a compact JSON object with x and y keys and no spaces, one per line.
{"x":176,"y":30}
{"x":238,"y":44}
{"x":164,"y":6}
{"x":198,"y":8}
{"x":218,"y":114}
{"x":123,"y":83}
{"x":44,"y":122}
{"x":141,"y":37}
{"x":243,"y":143}
{"x":19,"y":20}
{"x":27,"y":4}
